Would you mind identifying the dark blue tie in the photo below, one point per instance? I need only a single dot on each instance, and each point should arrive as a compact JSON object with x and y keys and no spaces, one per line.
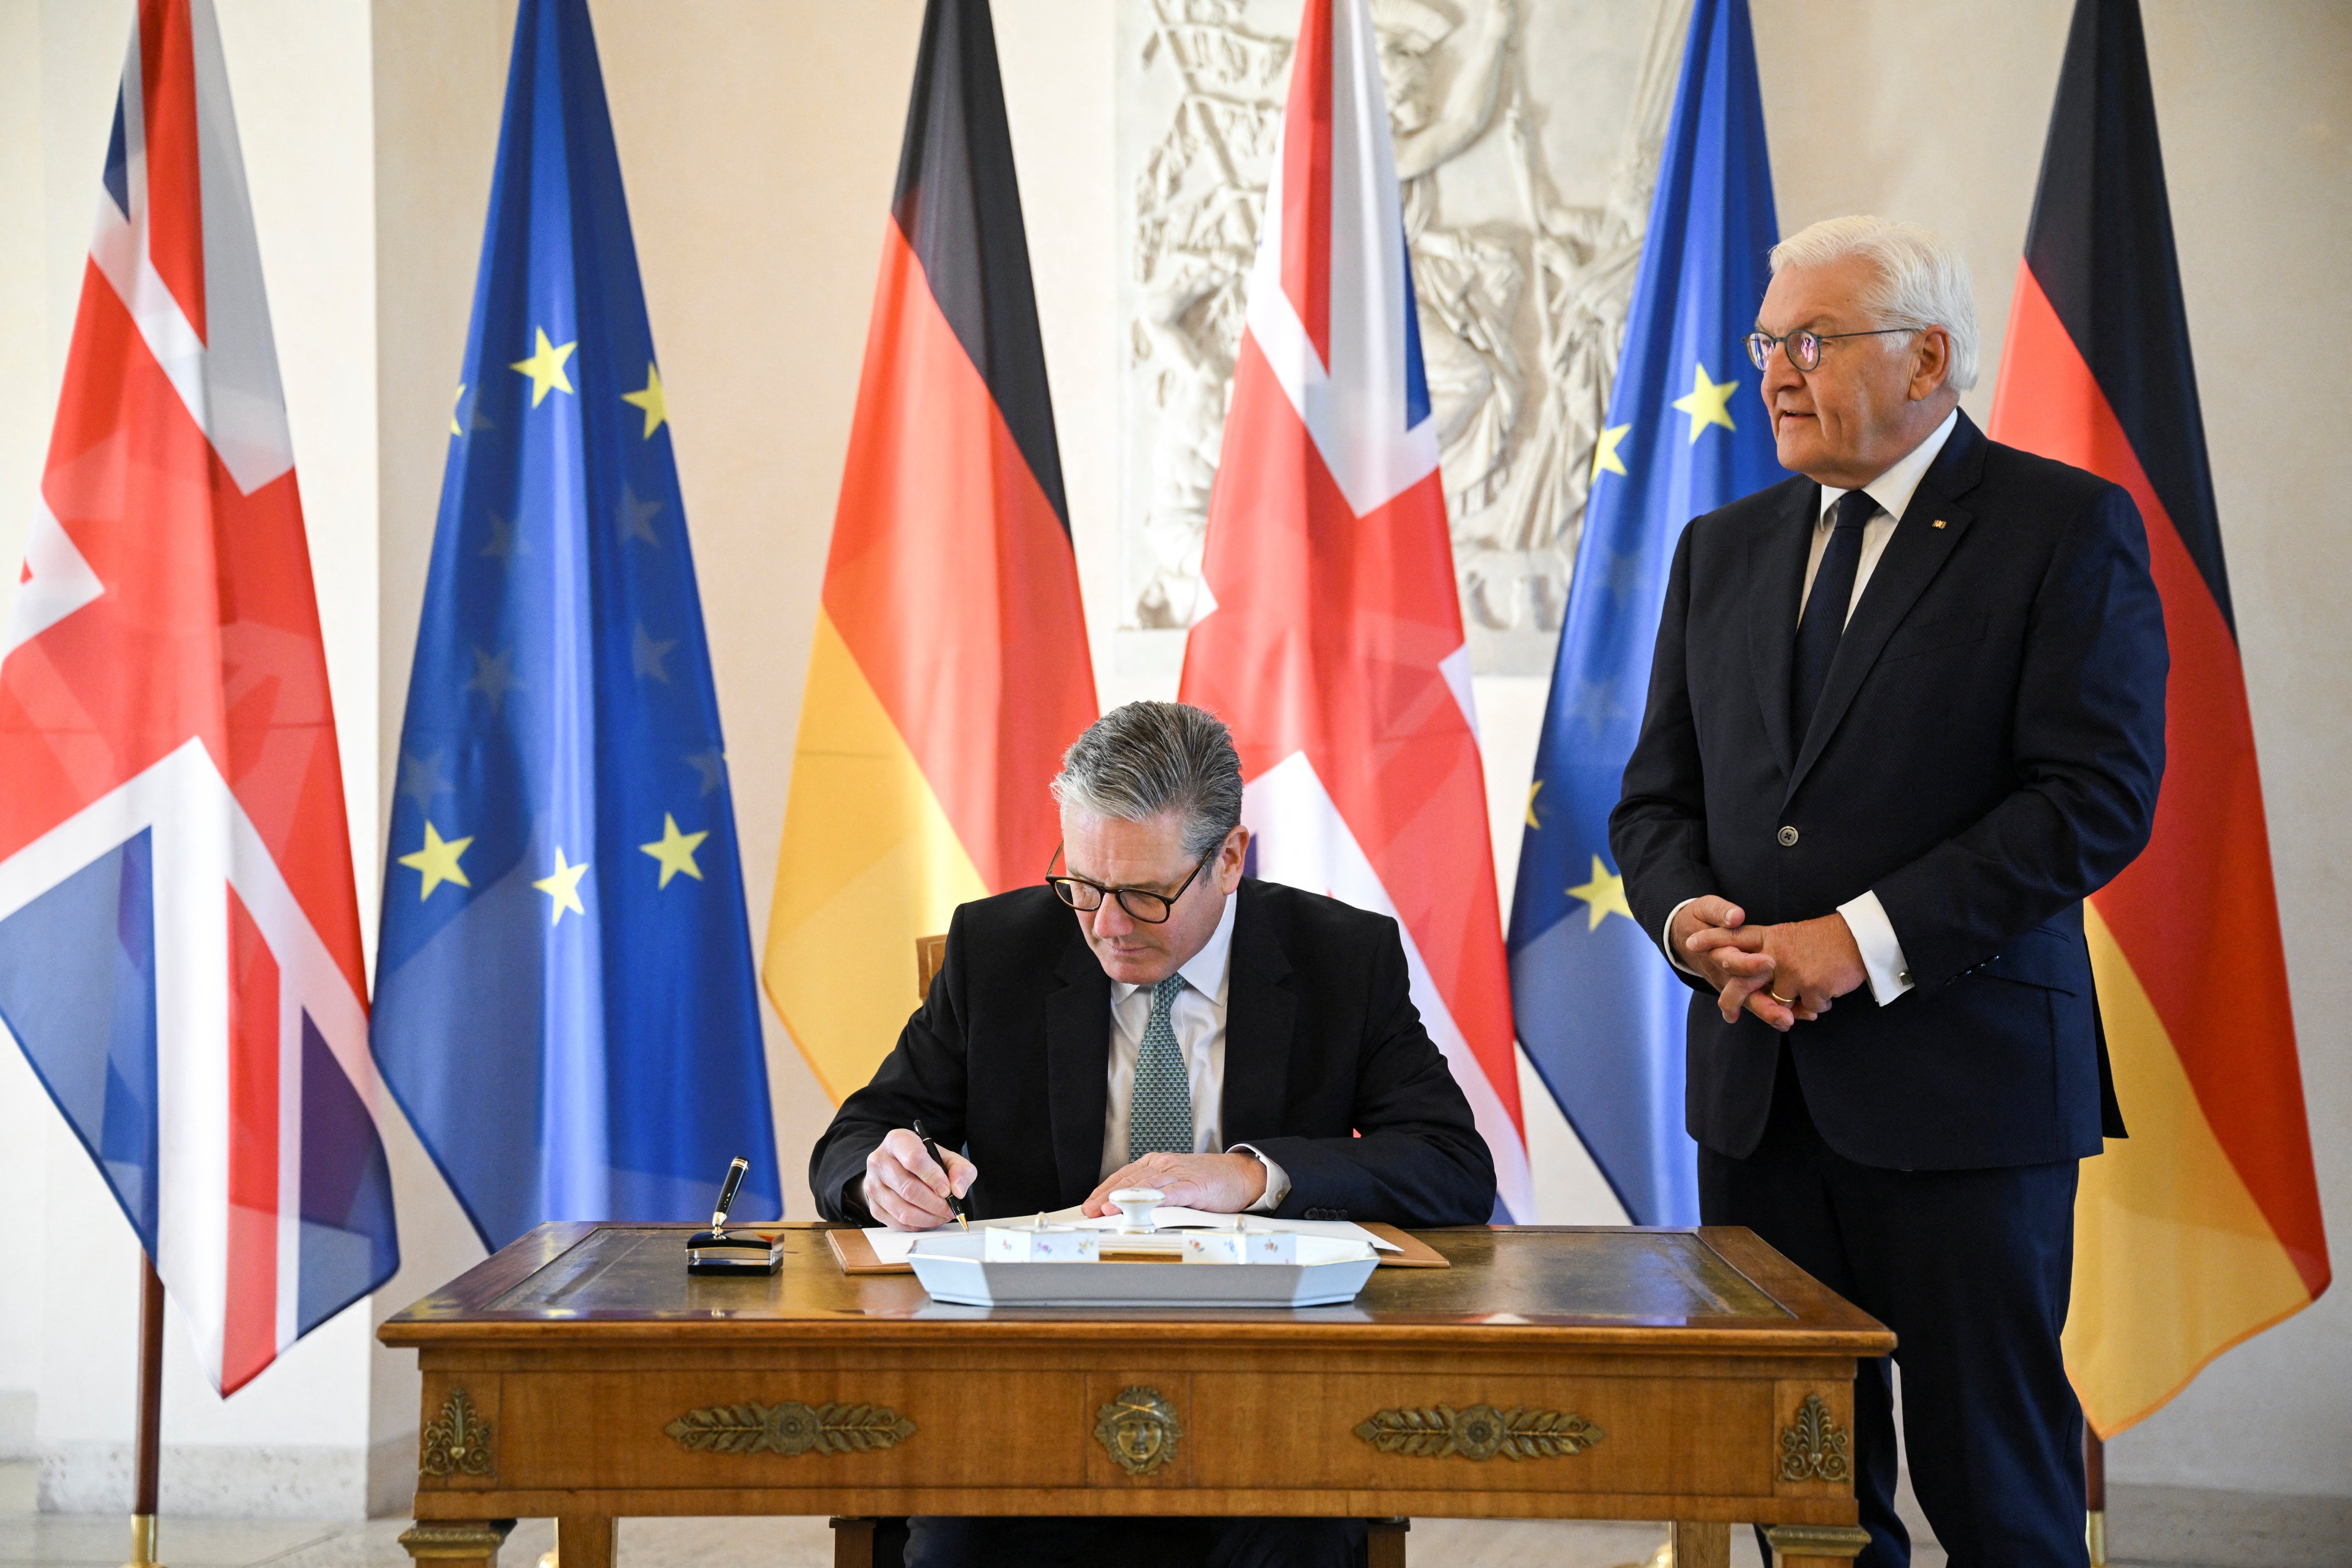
{"x":1825,"y":608}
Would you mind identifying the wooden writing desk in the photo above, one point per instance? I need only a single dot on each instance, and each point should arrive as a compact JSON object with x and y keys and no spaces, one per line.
{"x":1695,"y":1376}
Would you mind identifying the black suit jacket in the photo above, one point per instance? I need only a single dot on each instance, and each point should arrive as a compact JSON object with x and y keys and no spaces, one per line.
{"x":1986,"y":753}
{"x":1327,"y":1068}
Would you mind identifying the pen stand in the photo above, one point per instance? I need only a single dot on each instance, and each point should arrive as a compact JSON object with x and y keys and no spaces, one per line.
{"x":733,"y":1252}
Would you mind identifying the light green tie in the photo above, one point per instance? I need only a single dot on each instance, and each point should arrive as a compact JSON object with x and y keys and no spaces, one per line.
{"x":1159,"y":1111}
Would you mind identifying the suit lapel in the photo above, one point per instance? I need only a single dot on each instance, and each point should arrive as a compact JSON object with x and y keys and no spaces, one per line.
{"x":1259,"y":1014}
{"x":1923,"y":541}
{"x":1776,"y":575}
{"x":1077,"y":1062}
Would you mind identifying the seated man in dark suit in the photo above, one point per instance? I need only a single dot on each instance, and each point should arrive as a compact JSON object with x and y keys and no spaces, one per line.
{"x":1154,"y":1019}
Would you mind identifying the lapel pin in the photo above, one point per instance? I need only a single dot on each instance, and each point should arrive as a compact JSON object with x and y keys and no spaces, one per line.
{"x":1939,"y":522}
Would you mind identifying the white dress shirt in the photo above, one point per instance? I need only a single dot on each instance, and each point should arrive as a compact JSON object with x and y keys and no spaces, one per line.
{"x":1873,"y":933}
{"x":1198,"y":1016}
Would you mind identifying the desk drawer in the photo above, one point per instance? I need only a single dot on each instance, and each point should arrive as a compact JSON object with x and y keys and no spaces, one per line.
{"x":1630,"y":1435}
{"x":766,"y":1429}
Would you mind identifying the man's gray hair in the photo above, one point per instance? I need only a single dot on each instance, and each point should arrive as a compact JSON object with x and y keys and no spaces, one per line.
{"x":1138,"y":762}
{"x":1923,"y":278}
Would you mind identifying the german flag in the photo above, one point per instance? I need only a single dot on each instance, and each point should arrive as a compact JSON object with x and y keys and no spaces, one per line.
{"x":950,"y":665}
{"x":2203,"y":1229}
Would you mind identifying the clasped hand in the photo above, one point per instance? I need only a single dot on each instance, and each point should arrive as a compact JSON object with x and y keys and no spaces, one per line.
{"x":1784,"y":974}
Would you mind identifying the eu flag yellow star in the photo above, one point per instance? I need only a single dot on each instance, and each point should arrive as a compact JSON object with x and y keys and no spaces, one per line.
{"x":437,"y":861}
{"x":674,"y":850}
{"x":545,"y":367}
{"x":1603,"y":896}
{"x":651,"y":400}
{"x":456,"y":428}
{"x":1707,"y":402}
{"x":1605,"y":459}
{"x":1531,"y":805}
{"x":563,"y":887}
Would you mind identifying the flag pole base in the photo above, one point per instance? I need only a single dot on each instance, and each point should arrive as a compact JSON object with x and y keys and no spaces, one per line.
{"x":142,"y":1542}
{"x":2094,"y":1536}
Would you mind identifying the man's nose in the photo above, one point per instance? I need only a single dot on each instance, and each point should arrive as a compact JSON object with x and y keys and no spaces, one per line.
{"x":1112,"y":919}
{"x":1779,"y":374}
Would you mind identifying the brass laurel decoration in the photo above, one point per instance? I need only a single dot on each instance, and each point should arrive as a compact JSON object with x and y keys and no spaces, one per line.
{"x":459,"y":1443}
{"x":1480,"y":1432}
{"x":1139,"y":1430}
{"x":791,"y":1428}
{"x":1814,"y":1447}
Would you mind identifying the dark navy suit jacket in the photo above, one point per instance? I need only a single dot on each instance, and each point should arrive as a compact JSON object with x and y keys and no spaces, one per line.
{"x":1328,"y":1071}
{"x":1986,"y":753}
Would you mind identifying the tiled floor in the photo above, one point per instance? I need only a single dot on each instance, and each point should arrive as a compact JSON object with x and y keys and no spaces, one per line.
{"x":57,"y":1541}
{"x":2151,"y":1527}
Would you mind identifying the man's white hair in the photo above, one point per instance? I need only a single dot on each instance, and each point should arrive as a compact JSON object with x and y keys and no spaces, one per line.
{"x":1923,"y":278}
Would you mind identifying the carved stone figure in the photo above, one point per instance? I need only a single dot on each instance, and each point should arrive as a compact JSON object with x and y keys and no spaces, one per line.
{"x":1497,"y":107}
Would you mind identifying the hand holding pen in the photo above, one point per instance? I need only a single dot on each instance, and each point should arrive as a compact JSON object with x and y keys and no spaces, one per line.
{"x":911,"y":1184}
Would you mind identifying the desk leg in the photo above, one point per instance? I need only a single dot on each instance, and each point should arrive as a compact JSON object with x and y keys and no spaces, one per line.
{"x":1700,"y":1545}
{"x":1384,"y":1542}
{"x":1815,"y":1545}
{"x":445,"y":1543}
{"x":853,"y":1542}
{"x":583,"y":1541}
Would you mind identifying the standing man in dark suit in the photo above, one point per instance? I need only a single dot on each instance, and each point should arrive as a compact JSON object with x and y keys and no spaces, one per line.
{"x":1151,"y":1017}
{"x":1907,"y":711}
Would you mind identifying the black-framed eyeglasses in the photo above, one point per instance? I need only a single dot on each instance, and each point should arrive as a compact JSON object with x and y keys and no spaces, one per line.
{"x":1150,"y":907}
{"x":1804,"y":348}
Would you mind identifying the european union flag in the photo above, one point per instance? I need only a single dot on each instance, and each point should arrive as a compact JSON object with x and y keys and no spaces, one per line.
{"x":1600,"y":1013}
{"x":564,"y":999}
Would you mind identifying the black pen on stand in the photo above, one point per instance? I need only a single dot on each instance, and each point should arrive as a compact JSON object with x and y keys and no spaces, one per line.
{"x":955,"y":1204}
{"x":727,"y":1195}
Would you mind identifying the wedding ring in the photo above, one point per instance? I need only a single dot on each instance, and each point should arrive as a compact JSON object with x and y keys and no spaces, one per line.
{"x":1784,"y":1001}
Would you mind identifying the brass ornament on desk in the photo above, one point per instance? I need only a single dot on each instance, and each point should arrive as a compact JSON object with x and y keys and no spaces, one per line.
{"x":791,"y":1428}
{"x":1478,"y":1432}
{"x":459,"y":1443}
{"x":428,"y":1539}
{"x":1814,"y":1447}
{"x":1139,"y":1430}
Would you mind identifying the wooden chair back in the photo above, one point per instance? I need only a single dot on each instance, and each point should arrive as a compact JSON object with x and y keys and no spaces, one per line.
{"x":931,"y":952}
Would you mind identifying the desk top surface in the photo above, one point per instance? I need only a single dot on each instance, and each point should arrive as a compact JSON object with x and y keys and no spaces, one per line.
{"x":1712,"y":1289}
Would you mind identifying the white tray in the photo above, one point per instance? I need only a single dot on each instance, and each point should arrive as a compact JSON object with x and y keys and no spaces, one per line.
{"x":952,"y":1270}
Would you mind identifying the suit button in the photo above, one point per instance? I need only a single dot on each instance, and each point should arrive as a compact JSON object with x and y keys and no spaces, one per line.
{"x":1788,"y":837}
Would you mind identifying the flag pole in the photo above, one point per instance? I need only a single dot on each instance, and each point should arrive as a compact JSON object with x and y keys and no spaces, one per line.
{"x":2095,"y":1496}
{"x":150,"y":1414}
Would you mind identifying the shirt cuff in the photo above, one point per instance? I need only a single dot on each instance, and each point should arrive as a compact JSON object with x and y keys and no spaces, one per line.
{"x":1277,"y":1183}
{"x":1882,"y":955}
{"x":1667,"y":939}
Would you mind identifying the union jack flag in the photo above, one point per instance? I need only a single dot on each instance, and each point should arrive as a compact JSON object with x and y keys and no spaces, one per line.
{"x":179,"y":933}
{"x":1334,"y":647}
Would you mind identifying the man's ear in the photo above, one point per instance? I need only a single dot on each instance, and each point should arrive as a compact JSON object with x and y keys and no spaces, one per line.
{"x":1931,"y":363}
{"x":1231,"y":858}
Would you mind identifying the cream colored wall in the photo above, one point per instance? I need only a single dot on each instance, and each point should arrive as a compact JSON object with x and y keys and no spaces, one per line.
{"x":758,"y":139}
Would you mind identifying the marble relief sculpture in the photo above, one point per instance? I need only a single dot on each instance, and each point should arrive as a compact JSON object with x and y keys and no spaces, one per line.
{"x":1527,"y":137}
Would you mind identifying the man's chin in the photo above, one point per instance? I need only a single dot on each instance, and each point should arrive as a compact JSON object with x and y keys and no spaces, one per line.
{"x":1145,"y":967}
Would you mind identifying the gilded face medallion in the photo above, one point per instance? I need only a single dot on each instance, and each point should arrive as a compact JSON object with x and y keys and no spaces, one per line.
{"x":1139,"y":1430}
